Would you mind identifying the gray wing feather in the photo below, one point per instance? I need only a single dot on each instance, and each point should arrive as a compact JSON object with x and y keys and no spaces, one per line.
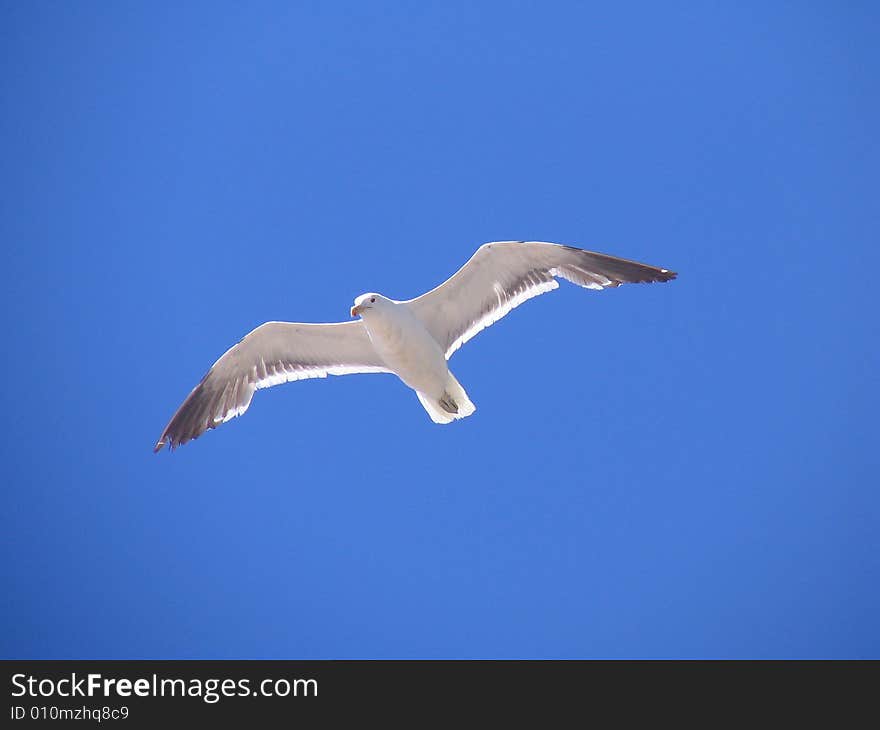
{"x":273,"y":353}
{"x":504,"y":274}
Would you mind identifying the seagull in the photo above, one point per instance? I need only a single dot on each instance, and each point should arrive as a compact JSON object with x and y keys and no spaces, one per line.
{"x":413,"y":339}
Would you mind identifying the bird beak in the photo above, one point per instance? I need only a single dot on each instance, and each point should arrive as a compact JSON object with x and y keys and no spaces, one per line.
{"x":355,"y":311}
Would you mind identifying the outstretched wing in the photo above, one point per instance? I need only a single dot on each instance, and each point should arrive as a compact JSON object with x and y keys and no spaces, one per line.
{"x":273,"y":353}
{"x":503,"y":275}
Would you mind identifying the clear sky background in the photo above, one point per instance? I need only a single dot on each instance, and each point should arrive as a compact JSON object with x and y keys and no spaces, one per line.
{"x":677,"y":470}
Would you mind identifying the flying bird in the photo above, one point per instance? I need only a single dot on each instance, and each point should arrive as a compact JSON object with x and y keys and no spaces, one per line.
{"x":413,"y":339}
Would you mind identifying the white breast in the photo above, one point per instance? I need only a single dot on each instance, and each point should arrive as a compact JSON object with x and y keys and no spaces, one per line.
{"x":407,"y":348}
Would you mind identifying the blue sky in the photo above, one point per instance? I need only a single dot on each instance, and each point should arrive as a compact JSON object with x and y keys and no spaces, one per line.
{"x":678,"y":470}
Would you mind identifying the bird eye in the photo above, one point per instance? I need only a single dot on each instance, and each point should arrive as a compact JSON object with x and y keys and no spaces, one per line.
{"x":372,"y":300}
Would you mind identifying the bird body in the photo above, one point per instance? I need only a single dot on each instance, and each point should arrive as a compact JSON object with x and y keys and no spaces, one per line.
{"x":404,"y":344}
{"x":408,"y":350}
{"x":413,"y":339}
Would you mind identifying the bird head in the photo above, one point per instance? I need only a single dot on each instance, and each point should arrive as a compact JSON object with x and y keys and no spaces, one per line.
{"x":368,"y":301}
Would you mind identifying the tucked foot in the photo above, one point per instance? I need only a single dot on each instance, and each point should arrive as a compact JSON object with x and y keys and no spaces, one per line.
{"x":448,"y":405}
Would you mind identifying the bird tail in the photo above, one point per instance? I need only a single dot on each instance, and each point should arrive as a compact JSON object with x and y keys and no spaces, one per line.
{"x":451,"y":406}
